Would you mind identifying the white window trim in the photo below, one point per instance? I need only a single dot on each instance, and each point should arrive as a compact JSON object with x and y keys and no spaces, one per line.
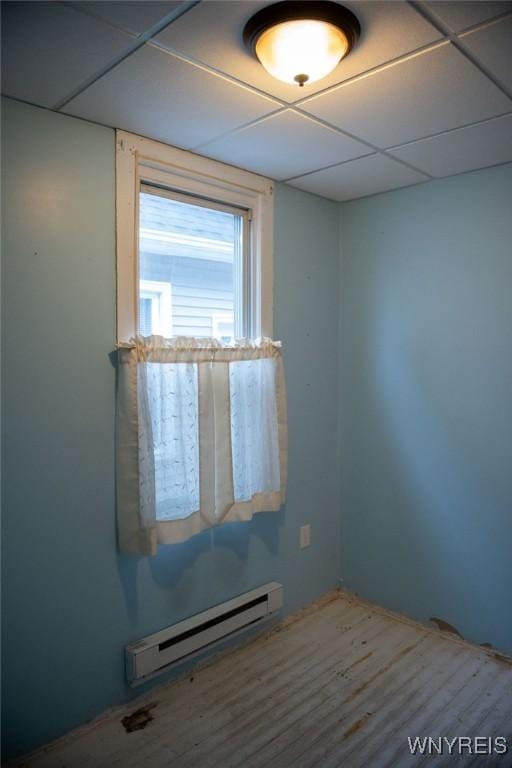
{"x":144,"y":160}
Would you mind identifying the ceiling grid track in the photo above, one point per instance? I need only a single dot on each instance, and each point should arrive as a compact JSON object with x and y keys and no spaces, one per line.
{"x":138,"y":42}
{"x":455,"y":39}
{"x":279,"y":123}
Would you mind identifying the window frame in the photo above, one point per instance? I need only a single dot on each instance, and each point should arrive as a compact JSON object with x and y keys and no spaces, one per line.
{"x":140,"y":160}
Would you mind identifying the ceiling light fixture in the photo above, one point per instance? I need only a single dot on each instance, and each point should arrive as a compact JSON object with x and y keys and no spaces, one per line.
{"x":301,"y":42}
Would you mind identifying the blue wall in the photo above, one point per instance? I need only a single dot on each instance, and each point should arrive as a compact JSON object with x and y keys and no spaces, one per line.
{"x":423,"y":393}
{"x":426,"y":409}
{"x":70,"y":602}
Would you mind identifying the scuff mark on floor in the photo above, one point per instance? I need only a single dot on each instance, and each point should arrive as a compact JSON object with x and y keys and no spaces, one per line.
{"x":356,"y":726}
{"x":343,"y":672}
{"x":139,"y":719}
{"x":360,"y":660}
{"x":384,"y":669}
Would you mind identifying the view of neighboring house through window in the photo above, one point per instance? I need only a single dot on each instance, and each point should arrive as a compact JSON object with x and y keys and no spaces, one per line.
{"x":193,"y":266}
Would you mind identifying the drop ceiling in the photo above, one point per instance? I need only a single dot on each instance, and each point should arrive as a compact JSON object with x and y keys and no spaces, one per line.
{"x":426,"y":93}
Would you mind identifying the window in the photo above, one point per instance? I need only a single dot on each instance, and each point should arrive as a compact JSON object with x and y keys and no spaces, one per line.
{"x":194,"y":243}
{"x":201,"y":422}
{"x":202,"y":251}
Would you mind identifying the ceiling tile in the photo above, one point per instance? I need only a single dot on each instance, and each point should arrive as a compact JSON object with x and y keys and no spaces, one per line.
{"x":284,"y":145}
{"x":136,"y":17}
{"x":492,"y":45}
{"x":465,"y":149}
{"x":49,"y":49}
{"x":461,"y":15}
{"x":389,"y":30}
{"x":157,"y":95}
{"x":212,"y":33}
{"x":425,"y":94}
{"x":358,"y":178}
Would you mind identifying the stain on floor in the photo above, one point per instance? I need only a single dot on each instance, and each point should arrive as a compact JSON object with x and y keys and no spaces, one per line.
{"x":355,"y":727}
{"x":139,"y":719}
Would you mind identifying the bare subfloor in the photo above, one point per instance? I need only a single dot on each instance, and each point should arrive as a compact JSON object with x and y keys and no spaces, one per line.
{"x":342,"y":685}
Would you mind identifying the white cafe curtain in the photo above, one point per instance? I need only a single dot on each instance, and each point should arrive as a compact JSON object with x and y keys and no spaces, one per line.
{"x":201,"y":437}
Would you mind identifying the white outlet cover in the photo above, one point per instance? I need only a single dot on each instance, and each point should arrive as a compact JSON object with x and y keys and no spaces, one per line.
{"x":305,"y":536}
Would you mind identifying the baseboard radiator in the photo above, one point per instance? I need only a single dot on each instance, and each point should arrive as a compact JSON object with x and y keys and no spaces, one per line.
{"x":156,"y":653}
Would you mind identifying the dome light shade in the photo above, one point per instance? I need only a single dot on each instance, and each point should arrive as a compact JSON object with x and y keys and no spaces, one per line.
{"x":301,"y":47}
{"x":301,"y":42}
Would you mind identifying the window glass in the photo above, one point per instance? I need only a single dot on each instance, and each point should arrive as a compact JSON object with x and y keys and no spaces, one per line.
{"x":145,"y":316}
{"x":192,"y":267}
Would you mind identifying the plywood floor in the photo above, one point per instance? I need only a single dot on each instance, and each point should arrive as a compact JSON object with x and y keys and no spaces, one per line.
{"x":342,"y":685}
